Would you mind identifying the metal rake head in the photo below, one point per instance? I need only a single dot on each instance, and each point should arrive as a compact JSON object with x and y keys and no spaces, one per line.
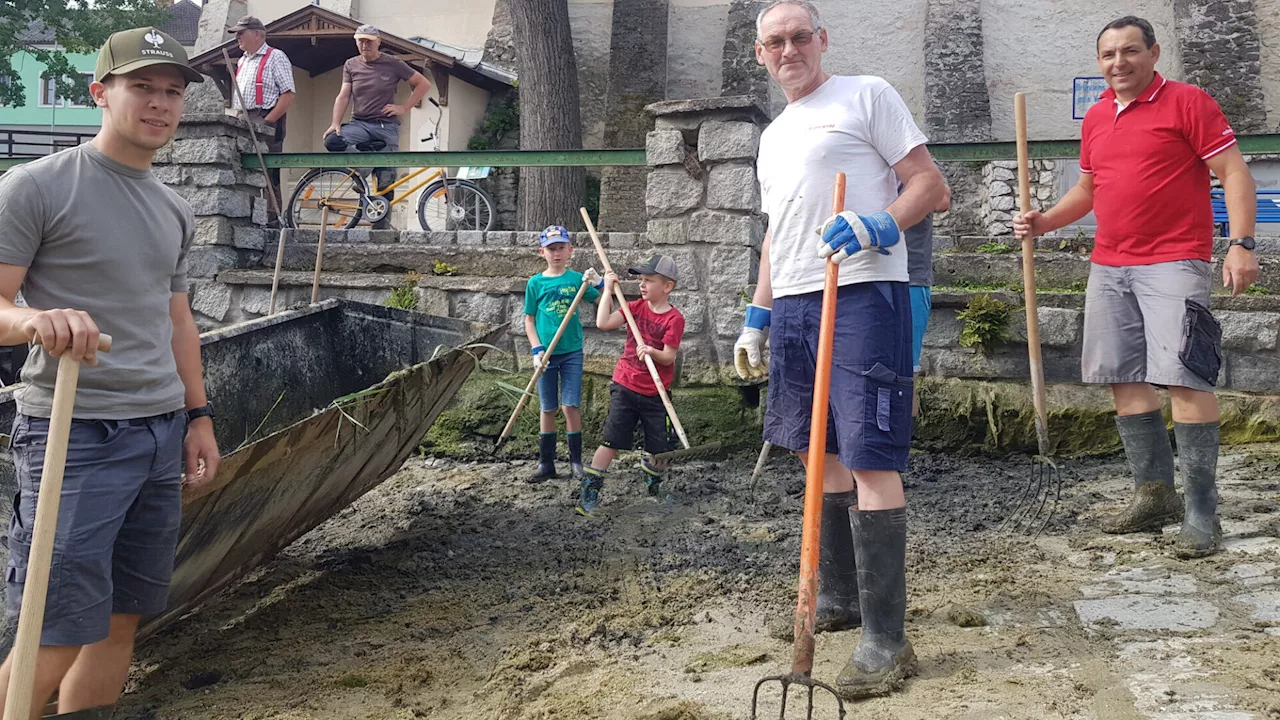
{"x":803,"y":680}
{"x":1031,"y":513}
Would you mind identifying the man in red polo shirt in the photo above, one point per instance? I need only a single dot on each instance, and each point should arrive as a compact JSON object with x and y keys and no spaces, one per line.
{"x":1146,"y":150}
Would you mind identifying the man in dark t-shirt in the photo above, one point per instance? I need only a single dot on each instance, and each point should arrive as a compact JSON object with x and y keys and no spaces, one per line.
{"x":369,"y":83}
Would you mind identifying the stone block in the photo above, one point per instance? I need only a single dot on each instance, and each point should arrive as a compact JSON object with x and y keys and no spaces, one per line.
{"x":1250,"y":373}
{"x":500,"y":239}
{"x":623,"y":240}
{"x":694,"y":309}
{"x":216,"y":201}
{"x":411,"y":237}
{"x":209,"y":176}
{"x":214,"y":230}
{"x":528,"y":238}
{"x":167,"y":174}
{"x":667,"y":231}
{"x":1006,"y":164}
{"x":470,"y":237}
{"x":1003,"y":174}
{"x":664,"y":147}
{"x":733,"y":187}
{"x":1249,"y":331}
{"x":480,"y":307}
{"x":998,"y":228}
{"x":726,"y":229}
{"x":1060,"y":327}
{"x":207,"y":261}
{"x":671,"y":192}
{"x":727,"y":312}
{"x":728,"y":141}
{"x":735,"y":268}
{"x":1046,"y":178}
{"x":686,"y":264}
{"x":999,"y":187}
{"x":252,"y":238}
{"x":205,"y":151}
{"x":944,"y":329}
{"x":260,"y":210}
{"x":1003,"y":202}
{"x":256,"y":300}
{"x":433,"y":301}
{"x":210,"y":298}
{"x":1043,"y":192}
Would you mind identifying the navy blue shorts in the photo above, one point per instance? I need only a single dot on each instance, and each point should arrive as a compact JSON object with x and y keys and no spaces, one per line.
{"x":869,"y":419}
{"x":118,"y":522}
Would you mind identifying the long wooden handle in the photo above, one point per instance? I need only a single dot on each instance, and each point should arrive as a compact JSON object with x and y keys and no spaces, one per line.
{"x":542,"y":366}
{"x":26,"y":646}
{"x":104,"y":341}
{"x":315,"y":280}
{"x":635,"y":332}
{"x":1029,"y":278}
{"x":807,"y":597}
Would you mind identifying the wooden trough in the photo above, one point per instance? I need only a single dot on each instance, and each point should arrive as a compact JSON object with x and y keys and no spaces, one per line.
{"x":314,"y":408}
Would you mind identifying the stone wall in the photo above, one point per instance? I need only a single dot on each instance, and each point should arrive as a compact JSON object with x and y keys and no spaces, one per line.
{"x":1221,"y":52}
{"x":1000,"y":201}
{"x":958,"y":107}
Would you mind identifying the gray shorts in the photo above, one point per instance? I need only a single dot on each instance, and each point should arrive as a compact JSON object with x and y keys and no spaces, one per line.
{"x":118,"y":522}
{"x":361,"y":131}
{"x":1151,"y":323}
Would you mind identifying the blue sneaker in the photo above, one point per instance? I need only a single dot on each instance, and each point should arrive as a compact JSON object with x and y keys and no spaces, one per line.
{"x":652,"y":476}
{"x":589,"y":491}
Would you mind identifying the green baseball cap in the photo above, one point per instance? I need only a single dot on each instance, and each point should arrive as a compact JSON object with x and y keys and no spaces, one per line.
{"x":130,"y":50}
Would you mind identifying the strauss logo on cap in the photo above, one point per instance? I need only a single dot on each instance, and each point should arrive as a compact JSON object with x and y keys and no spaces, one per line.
{"x":154,"y":38}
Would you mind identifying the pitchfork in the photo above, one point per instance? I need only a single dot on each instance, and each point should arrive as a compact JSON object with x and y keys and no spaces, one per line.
{"x":1028,"y":515}
{"x":806,"y":601}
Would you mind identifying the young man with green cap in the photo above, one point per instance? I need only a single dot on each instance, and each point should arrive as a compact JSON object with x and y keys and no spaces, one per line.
{"x":141,"y":417}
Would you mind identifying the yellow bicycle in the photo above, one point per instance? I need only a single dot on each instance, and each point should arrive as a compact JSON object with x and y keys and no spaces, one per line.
{"x":446,"y":203}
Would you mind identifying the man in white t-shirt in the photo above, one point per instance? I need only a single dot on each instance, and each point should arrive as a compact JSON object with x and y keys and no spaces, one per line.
{"x":861,"y":127}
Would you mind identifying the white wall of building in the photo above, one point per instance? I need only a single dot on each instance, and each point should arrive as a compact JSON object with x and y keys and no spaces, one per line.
{"x":695,"y":48}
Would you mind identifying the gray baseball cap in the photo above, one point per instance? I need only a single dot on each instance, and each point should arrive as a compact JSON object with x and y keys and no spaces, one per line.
{"x":657,"y":265}
{"x":368,"y":32}
{"x":248,"y":22}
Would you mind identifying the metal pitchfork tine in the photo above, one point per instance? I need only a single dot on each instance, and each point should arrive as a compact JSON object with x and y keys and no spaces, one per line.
{"x":807,"y":595}
{"x":1045,"y":480}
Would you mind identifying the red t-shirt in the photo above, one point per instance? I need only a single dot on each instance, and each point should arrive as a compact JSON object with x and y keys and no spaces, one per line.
{"x":1150,"y":180}
{"x":660,"y":331}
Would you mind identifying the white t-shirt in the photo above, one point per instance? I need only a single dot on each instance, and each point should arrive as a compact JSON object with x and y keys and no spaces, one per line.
{"x":856,"y":125}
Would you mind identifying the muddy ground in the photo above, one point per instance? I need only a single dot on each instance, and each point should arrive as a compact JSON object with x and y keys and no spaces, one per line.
{"x":456,"y":591}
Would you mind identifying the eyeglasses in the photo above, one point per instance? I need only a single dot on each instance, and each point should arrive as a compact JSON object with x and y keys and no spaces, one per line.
{"x":800,"y":39}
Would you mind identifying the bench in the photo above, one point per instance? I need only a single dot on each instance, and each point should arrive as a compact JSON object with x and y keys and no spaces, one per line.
{"x":1268,"y":209}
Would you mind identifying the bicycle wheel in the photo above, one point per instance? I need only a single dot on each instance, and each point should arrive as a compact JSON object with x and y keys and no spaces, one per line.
{"x":461,"y":205}
{"x":341,"y":189}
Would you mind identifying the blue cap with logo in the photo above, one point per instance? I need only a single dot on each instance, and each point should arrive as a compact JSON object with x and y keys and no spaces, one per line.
{"x":554,"y":234}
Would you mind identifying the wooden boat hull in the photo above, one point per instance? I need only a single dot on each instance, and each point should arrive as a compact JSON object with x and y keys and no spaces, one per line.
{"x":315,"y":407}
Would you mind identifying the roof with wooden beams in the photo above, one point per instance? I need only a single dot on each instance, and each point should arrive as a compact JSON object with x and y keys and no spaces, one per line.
{"x":319,"y":40}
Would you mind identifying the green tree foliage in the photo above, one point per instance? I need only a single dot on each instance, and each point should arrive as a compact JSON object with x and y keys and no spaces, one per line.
{"x":76,"y":26}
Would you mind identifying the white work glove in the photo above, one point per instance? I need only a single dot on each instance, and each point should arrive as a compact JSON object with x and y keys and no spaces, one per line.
{"x":592,"y":278}
{"x":537,"y":352}
{"x":749,"y":351}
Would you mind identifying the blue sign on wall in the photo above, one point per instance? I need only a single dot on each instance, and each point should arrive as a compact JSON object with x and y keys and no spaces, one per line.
{"x":1085,"y":93}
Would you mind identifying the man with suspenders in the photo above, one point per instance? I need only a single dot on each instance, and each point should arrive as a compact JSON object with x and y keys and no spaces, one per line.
{"x":265,"y":77}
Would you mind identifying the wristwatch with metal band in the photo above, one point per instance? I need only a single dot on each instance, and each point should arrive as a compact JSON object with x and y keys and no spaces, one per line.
{"x":1245,"y":242}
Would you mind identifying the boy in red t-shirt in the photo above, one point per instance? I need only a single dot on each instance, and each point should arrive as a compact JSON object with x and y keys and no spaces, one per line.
{"x":633,"y":396}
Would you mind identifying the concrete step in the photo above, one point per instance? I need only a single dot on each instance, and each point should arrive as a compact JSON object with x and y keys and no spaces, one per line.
{"x":1067,"y":242}
{"x":363,"y":235}
{"x":1054,"y":271}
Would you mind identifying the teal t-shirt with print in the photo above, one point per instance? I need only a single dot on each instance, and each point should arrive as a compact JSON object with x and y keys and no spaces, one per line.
{"x":547,"y":299}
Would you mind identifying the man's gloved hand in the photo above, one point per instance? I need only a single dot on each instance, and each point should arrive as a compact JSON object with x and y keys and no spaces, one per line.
{"x":847,"y":233}
{"x":748,"y":352}
{"x":592,"y":278}
{"x":537,"y":351}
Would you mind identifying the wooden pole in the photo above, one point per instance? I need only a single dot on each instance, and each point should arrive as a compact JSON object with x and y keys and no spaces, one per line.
{"x":315,"y":280}
{"x":1029,"y":278}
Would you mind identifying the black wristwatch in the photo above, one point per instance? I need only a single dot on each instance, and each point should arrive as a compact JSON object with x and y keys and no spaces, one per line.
{"x":202,"y":411}
{"x":1245,"y":242}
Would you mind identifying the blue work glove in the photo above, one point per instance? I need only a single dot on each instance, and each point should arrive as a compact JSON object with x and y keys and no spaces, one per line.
{"x":847,"y":233}
{"x":748,"y":352}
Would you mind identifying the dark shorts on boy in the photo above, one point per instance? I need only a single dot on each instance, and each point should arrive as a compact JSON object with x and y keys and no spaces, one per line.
{"x":118,"y":522}
{"x":627,"y":409}
{"x":869,"y":419}
{"x":561,"y":383}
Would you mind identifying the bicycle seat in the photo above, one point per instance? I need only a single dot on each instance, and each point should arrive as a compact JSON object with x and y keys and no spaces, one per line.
{"x":371,"y":145}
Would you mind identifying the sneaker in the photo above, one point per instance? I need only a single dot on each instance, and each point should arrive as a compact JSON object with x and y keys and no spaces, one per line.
{"x":589,"y":493}
{"x":652,"y":476}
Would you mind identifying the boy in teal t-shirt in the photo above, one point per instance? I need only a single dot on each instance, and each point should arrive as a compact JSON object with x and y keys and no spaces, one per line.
{"x":547,"y":297}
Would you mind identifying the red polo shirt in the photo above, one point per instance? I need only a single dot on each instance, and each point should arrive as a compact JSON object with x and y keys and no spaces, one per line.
{"x":1150,"y":180}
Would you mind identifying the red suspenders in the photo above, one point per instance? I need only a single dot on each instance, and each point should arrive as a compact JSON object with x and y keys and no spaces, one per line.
{"x":257,"y":81}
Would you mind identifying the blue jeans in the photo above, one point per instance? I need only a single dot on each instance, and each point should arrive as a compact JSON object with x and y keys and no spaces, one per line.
{"x":561,"y":382}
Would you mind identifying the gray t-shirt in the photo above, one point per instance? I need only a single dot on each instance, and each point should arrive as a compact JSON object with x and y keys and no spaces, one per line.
{"x":919,"y":240}
{"x":111,"y":240}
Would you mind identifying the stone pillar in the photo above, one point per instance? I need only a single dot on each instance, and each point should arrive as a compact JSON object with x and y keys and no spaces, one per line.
{"x":1000,"y":199}
{"x":957,"y":105}
{"x":742,"y":74}
{"x":1221,"y":52}
{"x":637,"y":77}
{"x":215,"y":17}
{"x":703,"y":203}
{"x":203,"y":164}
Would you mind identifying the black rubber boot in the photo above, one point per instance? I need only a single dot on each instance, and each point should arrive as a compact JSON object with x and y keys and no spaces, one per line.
{"x":884,"y":656}
{"x":1155,"y":501}
{"x":1198,"y":455}
{"x":837,"y":573}
{"x":575,"y":454}
{"x":546,"y":458}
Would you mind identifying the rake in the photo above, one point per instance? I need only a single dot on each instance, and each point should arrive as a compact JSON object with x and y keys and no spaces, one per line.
{"x":806,"y":601}
{"x":1029,"y":515}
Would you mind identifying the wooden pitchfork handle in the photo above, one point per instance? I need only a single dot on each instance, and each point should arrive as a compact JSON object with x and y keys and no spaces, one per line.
{"x":271,"y":194}
{"x":315,"y":280}
{"x":807,"y":596}
{"x":26,"y":646}
{"x":1029,"y":279}
{"x":635,"y":332}
{"x":542,"y":365}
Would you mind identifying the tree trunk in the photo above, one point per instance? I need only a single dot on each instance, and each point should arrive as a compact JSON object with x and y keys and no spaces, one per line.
{"x":550,"y":118}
